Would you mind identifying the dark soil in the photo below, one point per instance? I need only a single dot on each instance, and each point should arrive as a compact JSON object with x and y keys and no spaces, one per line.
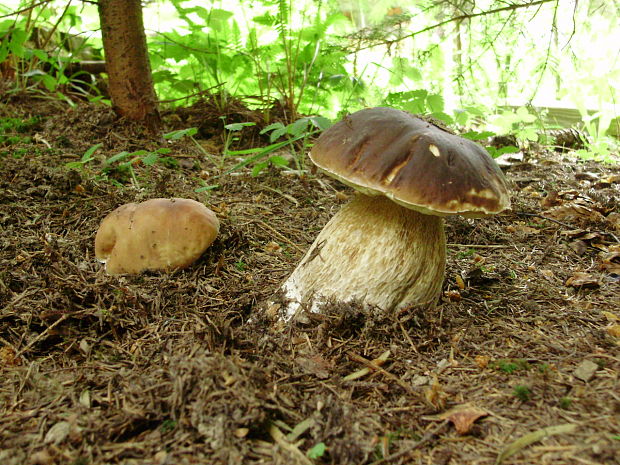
{"x":188,"y":368}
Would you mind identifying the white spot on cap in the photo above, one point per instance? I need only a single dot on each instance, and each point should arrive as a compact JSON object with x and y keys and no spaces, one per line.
{"x":434,"y":150}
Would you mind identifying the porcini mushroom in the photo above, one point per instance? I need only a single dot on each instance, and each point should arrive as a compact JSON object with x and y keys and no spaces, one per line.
{"x":386,"y":248}
{"x":158,"y":234}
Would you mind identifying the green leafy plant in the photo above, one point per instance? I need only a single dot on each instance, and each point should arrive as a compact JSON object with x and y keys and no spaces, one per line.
{"x":12,"y":130}
{"x":510,"y":366}
{"x":124,"y":162}
{"x":598,"y":147}
{"x":493,"y":151}
{"x":522,"y":392}
{"x":317,"y":451}
{"x":298,"y":132}
{"x":167,"y":426}
{"x":40,"y":48}
{"x":88,"y":156}
{"x":420,"y":102}
{"x":231,"y":131}
{"x":565,"y":403}
{"x":297,"y":69}
{"x":190,"y":133}
{"x":466,"y":253}
{"x":524,"y":125}
{"x":498,"y":152}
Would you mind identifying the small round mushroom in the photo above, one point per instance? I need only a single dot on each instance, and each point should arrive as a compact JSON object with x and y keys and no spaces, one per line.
{"x":158,"y":234}
{"x":386,"y":248}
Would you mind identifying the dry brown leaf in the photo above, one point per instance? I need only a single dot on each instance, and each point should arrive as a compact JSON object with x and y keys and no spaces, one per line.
{"x":571,"y":194}
{"x":342,"y":196}
{"x":613,"y":220}
{"x":614,"y":330}
{"x":435,"y":394}
{"x":58,"y":433}
{"x":573,"y":232}
{"x":161,"y":458}
{"x":574,"y":213}
{"x":611,"y":268}
{"x":579,"y":247}
{"x":453,"y":295}
{"x":611,"y":262}
{"x":548,"y":274}
{"x":482,"y":361}
{"x":7,"y":357}
{"x":315,"y":365}
{"x":526,"y":229}
{"x":521,"y":228}
{"x":551,"y":200}
{"x":42,"y":457}
{"x":581,"y":279}
{"x":272,"y":247}
{"x":462,"y":417}
{"x":611,"y":179}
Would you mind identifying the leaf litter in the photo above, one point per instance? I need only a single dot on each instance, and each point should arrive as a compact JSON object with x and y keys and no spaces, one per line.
{"x":190,"y":367}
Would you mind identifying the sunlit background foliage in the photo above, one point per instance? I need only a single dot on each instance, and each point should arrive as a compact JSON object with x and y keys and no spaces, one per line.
{"x":462,"y":61}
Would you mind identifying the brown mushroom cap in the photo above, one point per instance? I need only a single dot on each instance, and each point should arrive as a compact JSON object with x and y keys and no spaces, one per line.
{"x":159,"y":234}
{"x":384,"y":151}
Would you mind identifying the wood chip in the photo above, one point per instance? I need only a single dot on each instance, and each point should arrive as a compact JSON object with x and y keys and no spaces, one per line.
{"x":580,"y":279}
{"x":585,"y":371}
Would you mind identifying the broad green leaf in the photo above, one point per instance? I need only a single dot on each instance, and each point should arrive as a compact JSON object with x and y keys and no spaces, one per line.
{"x":88,"y":155}
{"x":118,"y":157}
{"x":278,"y":160}
{"x":317,"y":451}
{"x":257,"y":168}
{"x":271,"y":127}
{"x":217,"y":14}
{"x":238,"y":126}
{"x":474,"y":135}
{"x":435,"y":103}
{"x":299,"y":127}
{"x":320,"y":122}
{"x":181,"y":133}
{"x":49,"y":82}
{"x":441,"y":116}
{"x":266,"y":19}
{"x":207,"y":188}
{"x":150,"y":159}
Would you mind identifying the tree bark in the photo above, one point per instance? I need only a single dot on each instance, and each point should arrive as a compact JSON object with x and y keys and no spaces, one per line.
{"x":127,"y":63}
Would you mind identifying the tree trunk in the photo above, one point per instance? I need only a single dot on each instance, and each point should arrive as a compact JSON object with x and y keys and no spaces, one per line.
{"x":129,"y":71}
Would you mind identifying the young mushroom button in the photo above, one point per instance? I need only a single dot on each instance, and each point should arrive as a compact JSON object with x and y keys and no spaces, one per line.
{"x":159,"y":234}
{"x":386,"y":248}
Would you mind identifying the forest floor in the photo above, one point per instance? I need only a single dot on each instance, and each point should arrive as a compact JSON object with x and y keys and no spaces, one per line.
{"x":188,"y":367}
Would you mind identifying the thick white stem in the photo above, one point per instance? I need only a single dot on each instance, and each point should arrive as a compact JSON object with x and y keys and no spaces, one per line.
{"x":375,"y":252}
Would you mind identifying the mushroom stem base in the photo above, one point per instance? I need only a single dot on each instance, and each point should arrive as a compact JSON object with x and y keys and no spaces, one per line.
{"x":375,"y":252}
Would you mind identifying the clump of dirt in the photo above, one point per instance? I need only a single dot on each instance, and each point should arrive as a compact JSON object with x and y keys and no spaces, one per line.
{"x":189,"y":367}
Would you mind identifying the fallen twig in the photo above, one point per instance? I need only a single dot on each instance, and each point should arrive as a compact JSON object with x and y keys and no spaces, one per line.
{"x":375,"y":367}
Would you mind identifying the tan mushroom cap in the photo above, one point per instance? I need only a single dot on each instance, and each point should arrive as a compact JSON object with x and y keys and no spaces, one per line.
{"x":384,"y":151}
{"x":159,"y":234}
